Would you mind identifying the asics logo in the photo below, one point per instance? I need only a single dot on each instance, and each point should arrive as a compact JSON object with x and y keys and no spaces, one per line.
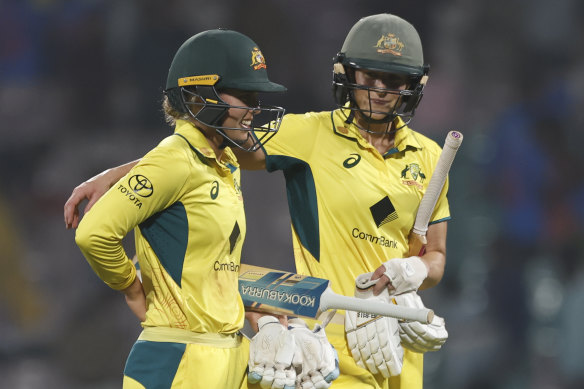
{"x":352,"y":161}
{"x":214,"y":190}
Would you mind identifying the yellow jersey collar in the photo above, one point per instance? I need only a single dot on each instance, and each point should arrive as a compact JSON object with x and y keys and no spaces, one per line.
{"x":404,"y":137}
{"x":200,"y":144}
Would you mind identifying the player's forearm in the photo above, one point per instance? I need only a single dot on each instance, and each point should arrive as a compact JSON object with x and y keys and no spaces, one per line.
{"x":435,"y":262}
{"x":435,"y":255}
{"x":136,"y":299}
{"x":250,"y":160}
{"x":113,"y":175}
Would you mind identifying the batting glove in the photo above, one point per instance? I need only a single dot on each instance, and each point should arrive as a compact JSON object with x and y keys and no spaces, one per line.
{"x":416,"y":336}
{"x":374,"y":340}
{"x":315,"y":359}
{"x":270,"y":355}
{"x":406,"y":274}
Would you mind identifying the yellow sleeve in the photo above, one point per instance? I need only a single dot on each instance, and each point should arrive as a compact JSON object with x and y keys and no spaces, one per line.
{"x":294,"y":137}
{"x":155,"y":183}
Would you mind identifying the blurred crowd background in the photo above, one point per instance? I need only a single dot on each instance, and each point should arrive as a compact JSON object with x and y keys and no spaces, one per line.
{"x":80,"y":90}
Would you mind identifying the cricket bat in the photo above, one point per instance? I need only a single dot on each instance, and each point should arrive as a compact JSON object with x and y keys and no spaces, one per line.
{"x":285,"y":293}
{"x":417,"y":238}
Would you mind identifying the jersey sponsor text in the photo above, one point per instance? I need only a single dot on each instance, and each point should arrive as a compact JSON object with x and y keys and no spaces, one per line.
{"x":130,"y":195}
{"x":380,"y":240}
{"x":226,"y":266}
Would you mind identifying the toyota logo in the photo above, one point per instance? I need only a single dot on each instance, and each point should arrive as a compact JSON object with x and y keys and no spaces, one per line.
{"x":141,"y":185}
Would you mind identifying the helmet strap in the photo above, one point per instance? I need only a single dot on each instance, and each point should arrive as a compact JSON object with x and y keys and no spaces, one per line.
{"x":214,"y":108}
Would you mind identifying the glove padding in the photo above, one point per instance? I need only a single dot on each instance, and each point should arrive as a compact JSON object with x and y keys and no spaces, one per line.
{"x":406,"y":274}
{"x":374,"y":340}
{"x":271,"y":353}
{"x":315,"y":359}
{"x":416,"y":336}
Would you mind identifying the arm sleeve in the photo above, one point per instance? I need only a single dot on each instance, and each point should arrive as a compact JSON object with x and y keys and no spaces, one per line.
{"x":152,"y":185}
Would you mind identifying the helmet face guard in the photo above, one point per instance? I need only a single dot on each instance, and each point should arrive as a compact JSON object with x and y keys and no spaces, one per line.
{"x":216,"y":61}
{"x":344,"y":86}
{"x":204,"y":104}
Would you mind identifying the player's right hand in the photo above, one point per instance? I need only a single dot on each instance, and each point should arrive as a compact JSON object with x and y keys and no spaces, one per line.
{"x":271,"y":353}
{"x":420,"y":337}
{"x":315,"y":359}
{"x":91,"y":190}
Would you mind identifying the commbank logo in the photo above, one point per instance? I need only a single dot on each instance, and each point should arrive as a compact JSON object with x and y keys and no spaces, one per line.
{"x":383,"y":211}
{"x":141,"y":185}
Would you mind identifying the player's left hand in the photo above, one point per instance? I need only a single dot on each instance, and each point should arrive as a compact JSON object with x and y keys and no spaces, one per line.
{"x":315,"y":358}
{"x":374,"y":340}
{"x":270,"y":355}
{"x":416,"y":336}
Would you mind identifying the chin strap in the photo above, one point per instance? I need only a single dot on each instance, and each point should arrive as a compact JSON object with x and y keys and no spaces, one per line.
{"x":350,"y":120}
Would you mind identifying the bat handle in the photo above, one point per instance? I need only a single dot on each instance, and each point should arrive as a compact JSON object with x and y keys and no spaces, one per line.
{"x":331,"y":300}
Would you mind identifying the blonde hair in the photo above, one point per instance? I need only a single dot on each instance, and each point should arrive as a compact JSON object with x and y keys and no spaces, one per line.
{"x":171,"y":115}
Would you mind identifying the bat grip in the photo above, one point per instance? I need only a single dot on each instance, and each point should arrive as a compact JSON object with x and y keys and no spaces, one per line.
{"x":451,"y":145}
{"x":331,"y":300}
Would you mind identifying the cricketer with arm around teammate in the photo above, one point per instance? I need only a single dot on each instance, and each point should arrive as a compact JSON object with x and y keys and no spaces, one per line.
{"x":354,"y":179}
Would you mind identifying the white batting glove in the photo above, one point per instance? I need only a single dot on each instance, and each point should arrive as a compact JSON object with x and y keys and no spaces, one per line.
{"x":315,"y":358}
{"x":270,"y":355}
{"x":416,"y":336}
{"x":406,"y":274}
{"x":374,"y":340}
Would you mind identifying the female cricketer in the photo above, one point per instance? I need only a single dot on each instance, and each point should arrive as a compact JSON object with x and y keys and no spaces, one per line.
{"x":184,"y":202}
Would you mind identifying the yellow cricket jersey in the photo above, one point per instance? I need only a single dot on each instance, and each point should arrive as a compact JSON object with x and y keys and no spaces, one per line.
{"x":352,"y":209}
{"x":187,"y":211}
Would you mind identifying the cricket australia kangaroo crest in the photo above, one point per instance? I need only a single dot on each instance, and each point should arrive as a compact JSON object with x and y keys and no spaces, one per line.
{"x":412,"y":175}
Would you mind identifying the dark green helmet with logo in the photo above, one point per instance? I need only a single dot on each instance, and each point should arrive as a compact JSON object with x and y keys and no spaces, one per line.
{"x":385,"y":43}
{"x":218,"y":61}
{"x":232,"y":56}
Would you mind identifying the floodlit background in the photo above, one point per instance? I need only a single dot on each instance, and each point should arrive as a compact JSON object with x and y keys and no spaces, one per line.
{"x":80,"y":91}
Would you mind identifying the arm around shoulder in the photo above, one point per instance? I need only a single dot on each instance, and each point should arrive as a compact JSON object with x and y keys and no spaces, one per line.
{"x":255,"y":160}
{"x":92,"y":190}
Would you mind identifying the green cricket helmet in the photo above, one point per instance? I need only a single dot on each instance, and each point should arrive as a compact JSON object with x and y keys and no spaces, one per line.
{"x":382,"y":43}
{"x":227,"y":61}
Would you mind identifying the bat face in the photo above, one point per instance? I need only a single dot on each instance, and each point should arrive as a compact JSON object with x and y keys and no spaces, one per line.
{"x":280,"y":292}
{"x":284,"y":293}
